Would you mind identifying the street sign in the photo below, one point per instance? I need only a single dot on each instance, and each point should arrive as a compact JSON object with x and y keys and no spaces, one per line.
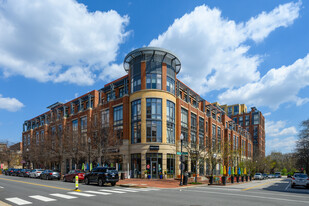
{"x":184,"y":153}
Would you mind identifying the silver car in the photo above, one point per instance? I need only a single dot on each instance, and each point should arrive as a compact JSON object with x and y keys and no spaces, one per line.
{"x":35,"y":173}
{"x":300,"y":179}
{"x":258,"y":176}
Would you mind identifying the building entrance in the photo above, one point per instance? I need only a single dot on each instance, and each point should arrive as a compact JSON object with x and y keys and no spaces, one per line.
{"x":154,"y":170}
{"x":154,"y":160}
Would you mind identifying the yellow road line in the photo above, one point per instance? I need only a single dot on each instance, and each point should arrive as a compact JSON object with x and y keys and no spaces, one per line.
{"x":29,"y":183}
{"x":249,"y":188}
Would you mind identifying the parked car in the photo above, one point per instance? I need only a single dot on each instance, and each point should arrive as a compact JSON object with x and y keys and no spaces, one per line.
{"x":258,"y":176}
{"x":16,"y":172}
{"x":265,"y":176}
{"x":271,"y":176}
{"x":36,"y":173}
{"x":300,"y":179}
{"x":24,"y":173}
{"x":50,"y":175}
{"x":71,"y":176}
{"x":289,"y":176}
{"x":102,"y":175}
{"x":277,"y":174}
{"x":8,"y":171}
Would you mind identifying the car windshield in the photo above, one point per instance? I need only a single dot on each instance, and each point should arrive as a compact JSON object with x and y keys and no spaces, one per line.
{"x":301,"y":176}
{"x":112,"y":171}
{"x":258,"y":174}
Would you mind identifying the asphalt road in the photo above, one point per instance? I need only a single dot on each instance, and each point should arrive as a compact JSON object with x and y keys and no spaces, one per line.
{"x":25,"y":191}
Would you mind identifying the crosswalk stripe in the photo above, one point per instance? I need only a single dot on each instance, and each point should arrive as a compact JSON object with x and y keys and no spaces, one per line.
{"x":63,"y":196}
{"x":126,"y":190}
{"x":81,"y":194}
{"x":42,"y":198}
{"x":18,"y":201}
{"x":100,"y":193}
{"x":112,"y":191}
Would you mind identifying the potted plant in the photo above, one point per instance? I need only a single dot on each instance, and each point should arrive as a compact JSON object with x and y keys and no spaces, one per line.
{"x":145,"y":172}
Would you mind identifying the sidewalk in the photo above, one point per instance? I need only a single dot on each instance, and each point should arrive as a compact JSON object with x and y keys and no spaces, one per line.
{"x":159,"y":183}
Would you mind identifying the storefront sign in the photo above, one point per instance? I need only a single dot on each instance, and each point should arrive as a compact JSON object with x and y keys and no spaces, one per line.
{"x":153,"y":147}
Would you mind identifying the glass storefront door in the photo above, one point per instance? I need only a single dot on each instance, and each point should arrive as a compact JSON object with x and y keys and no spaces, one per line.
{"x":154,"y":164}
{"x":154,"y":170}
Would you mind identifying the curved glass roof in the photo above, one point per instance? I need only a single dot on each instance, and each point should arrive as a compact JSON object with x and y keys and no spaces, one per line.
{"x":151,"y":50}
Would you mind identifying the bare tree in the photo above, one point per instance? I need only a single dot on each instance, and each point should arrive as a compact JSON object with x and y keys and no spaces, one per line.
{"x":302,"y":147}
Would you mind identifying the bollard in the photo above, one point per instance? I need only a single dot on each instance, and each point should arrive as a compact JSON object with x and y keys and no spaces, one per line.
{"x":76,"y":184}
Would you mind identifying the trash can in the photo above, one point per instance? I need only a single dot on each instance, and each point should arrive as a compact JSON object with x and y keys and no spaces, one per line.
{"x":232,"y":179}
{"x":242,"y":178}
{"x":237,"y":179}
{"x":185,"y":179}
{"x":246,"y":178}
{"x":123,"y":175}
{"x":223,"y":180}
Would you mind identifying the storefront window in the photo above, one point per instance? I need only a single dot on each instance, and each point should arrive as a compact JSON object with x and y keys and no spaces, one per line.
{"x":170,"y":165}
{"x":135,"y":166}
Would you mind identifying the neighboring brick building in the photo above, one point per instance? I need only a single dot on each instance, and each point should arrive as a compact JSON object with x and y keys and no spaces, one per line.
{"x":135,"y":123}
{"x":253,"y":122}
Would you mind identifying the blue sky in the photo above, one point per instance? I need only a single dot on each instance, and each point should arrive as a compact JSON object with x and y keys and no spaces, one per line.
{"x":252,"y":52}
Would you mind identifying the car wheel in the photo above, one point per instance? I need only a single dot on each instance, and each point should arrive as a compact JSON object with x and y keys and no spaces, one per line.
{"x":113,"y":183}
{"x":86,"y":181}
{"x":101,"y":182}
{"x":292,"y":186}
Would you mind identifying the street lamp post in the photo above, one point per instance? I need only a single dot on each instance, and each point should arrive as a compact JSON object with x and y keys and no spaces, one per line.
{"x":181,"y":164}
{"x":89,"y":142}
{"x":27,"y":155}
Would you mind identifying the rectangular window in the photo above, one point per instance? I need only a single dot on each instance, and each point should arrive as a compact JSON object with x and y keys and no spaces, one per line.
{"x":219,"y":139}
{"x":236,"y":110}
{"x":105,"y":118}
{"x":118,"y":123}
{"x":136,"y":77}
{"x":170,"y":85}
{"x":193,"y":129}
{"x":170,"y":122}
{"x":153,"y":75}
{"x":136,"y":121}
{"x":170,"y":165}
{"x":121,"y":92}
{"x":37,"y":138}
{"x":83,"y":124}
{"x":214,"y":137}
{"x":256,"y":119}
{"x":118,"y":115}
{"x":42,"y":136}
{"x":184,"y":118}
{"x":75,"y":125}
{"x":154,"y":120}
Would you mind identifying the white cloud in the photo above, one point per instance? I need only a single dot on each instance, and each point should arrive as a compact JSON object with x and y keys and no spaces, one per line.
{"x":58,"y":41}
{"x":213,"y":49}
{"x":112,"y":72}
{"x":267,"y":114}
{"x":261,"y":26}
{"x":10,"y":104}
{"x":277,"y":86}
{"x":275,"y":129}
{"x":284,"y":145}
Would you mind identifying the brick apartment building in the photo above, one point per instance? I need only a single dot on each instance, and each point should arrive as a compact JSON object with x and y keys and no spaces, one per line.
{"x":253,"y":121}
{"x":134,"y":124}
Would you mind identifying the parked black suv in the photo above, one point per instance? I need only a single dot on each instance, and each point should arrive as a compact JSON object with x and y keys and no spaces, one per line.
{"x":102,"y":175}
